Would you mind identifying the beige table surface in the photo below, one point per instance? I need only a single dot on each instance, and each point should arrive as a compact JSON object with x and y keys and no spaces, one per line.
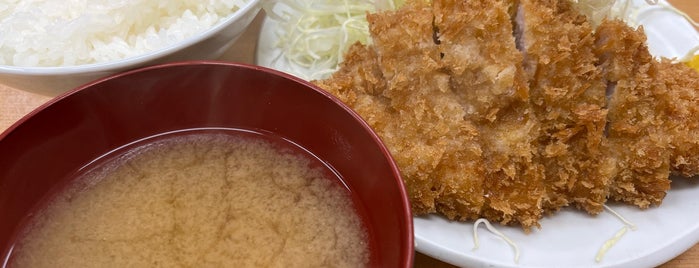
{"x":14,"y":104}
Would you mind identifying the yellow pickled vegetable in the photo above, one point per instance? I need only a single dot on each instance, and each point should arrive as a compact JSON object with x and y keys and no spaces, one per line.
{"x":694,"y":62}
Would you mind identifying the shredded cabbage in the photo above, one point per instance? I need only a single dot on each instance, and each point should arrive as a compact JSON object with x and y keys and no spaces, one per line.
{"x":315,"y":34}
{"x":610,"y":243}
{"x":617,"y":236}
{"x":495,"y":231}
{"x":598,"y":10}
{"x":628,"y":11}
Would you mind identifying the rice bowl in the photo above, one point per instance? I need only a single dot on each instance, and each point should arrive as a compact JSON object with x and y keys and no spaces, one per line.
{"x":209,"y":40}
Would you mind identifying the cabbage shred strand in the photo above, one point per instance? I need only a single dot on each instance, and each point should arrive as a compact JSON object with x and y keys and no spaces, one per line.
{"x":314,"y":34}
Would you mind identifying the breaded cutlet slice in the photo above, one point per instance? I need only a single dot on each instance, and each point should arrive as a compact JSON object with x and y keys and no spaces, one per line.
{"x":682,"y":122}
{"x":478,"y":51}
{"x":436,"y":149}
{"x":637,"y":114}
{"x":359,"y":84}
{"x":568,"y":96}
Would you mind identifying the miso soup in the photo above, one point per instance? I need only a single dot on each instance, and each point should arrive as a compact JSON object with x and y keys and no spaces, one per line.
{"x":199,"y":199}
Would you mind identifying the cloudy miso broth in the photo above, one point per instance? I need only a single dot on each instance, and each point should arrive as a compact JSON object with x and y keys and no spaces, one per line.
{"x":199,"y":199}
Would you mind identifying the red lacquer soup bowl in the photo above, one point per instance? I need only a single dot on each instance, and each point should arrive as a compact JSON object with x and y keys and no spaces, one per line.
{"x":41,"y":152}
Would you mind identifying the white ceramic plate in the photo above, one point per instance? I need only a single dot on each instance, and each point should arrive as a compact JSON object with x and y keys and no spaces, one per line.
{"x":570,"y":238}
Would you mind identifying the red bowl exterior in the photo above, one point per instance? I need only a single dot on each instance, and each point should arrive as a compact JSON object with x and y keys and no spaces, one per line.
{"x":70,"y":131}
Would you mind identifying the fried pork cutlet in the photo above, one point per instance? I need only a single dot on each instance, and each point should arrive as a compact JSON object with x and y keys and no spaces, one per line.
{"x":437,"y":150}
{"x":568,"y":96}
{"x":485,"y":121}
{"x":478,"y":51}
{"x":636,"y":115}
{"x":454,"y":129}
{"x":682,"y":124}
{"x":360,"y":84}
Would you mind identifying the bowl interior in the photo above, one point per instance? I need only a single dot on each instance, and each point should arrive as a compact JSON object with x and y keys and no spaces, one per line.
{"x":74,"y":129}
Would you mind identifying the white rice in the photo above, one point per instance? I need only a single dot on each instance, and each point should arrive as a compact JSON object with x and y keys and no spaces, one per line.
{"x":75,"y":32}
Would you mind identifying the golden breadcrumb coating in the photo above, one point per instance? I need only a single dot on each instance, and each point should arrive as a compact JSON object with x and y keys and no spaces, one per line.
{"x":478,"y":51}
{"x":417,"y":115}
{"x":682,"y":124}
{"x":509,"y":109}
{"x":568,"y":95}
{"x":636,"y":116}
{"x":432,"y":121}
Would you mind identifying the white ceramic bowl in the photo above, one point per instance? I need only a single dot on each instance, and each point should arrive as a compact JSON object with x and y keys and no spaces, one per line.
{"x":210,"y":44}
